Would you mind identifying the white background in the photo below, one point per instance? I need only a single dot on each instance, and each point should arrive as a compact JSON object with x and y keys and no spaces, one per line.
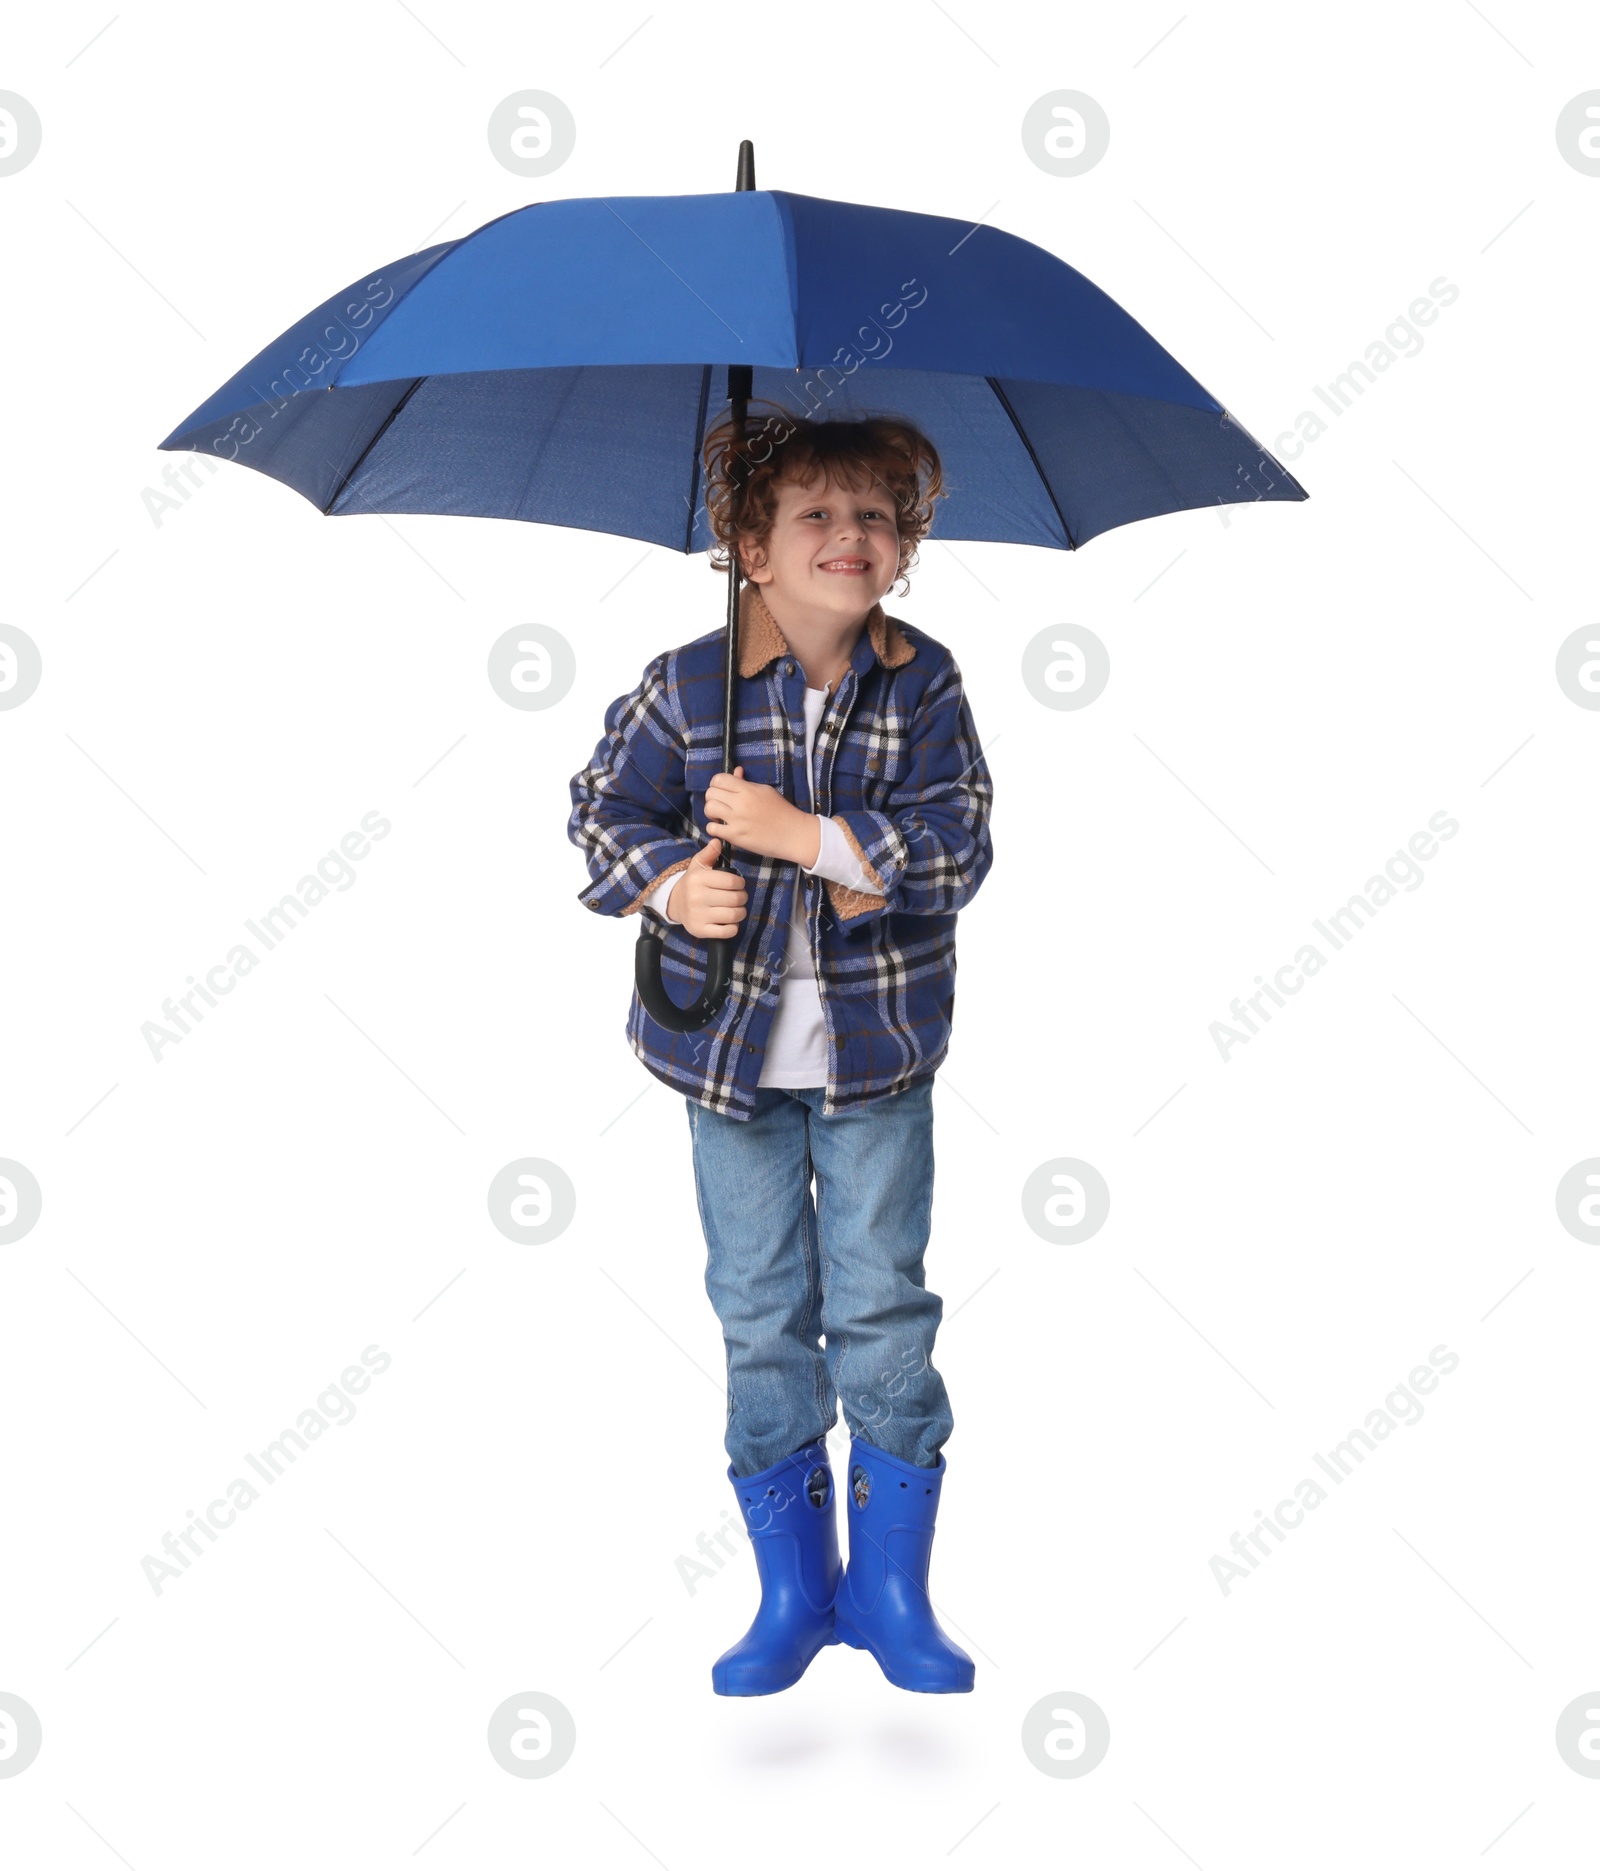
{"x":1293,"y":695}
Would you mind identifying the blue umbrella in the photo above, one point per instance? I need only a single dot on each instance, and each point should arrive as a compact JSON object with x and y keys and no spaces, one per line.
{"x":563,"y":363}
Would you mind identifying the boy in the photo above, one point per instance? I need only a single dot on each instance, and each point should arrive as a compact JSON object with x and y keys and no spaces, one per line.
{"x":858,"y":814}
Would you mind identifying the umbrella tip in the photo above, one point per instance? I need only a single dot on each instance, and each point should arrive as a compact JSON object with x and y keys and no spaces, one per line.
{"x":747,"y":165}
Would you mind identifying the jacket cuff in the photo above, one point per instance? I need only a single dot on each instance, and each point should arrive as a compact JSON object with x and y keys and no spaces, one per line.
{"x":877,"y":846}
{"x":660,"y":893}
{"x":643,"y":899}
{"x":836,"y":859}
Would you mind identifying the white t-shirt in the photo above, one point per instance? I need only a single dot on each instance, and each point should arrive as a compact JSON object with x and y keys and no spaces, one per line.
{"x":797,"y":1048}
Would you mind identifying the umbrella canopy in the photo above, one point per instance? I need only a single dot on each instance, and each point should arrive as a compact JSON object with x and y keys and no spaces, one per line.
{"x":562,"y":364}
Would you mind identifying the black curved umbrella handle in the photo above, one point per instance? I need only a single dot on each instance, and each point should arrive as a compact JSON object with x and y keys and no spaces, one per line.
{"x":660,"y":1005}
{"x":647,"y":952}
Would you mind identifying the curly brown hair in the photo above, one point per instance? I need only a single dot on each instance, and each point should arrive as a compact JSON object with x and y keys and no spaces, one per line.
{"x":884,"y":451}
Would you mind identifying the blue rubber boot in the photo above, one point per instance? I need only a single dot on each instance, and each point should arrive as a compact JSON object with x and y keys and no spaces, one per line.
{"x":788,"y":1510}
{"x":883,"y":1601}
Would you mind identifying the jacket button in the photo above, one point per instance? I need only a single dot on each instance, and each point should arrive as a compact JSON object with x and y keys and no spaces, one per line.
{"x":788,"y":669}
{"x":749,"y":1046}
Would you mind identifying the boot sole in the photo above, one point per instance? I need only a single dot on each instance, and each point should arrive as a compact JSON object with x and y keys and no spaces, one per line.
{"x":845,"y":1635}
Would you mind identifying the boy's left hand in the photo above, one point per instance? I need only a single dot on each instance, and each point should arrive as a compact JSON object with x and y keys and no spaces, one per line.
{"x":758,"y":818}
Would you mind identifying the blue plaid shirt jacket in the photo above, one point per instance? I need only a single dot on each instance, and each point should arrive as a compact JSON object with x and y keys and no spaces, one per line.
{"x":897,"y":765}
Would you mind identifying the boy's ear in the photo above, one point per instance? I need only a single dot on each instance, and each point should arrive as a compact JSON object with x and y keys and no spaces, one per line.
{"x":751,"y":557}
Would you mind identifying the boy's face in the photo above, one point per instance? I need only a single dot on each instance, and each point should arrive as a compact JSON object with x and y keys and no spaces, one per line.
{"x":833,"y":550}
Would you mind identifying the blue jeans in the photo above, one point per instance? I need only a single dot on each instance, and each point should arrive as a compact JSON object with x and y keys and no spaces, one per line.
{"x":785,"y":1271}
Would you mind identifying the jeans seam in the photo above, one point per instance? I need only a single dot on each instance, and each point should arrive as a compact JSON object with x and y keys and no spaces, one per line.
{"x":844,"y":1336}
{"x":813,"y":1280}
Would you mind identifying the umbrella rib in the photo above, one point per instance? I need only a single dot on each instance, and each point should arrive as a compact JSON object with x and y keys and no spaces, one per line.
{"x":699,"y":442}
{"x":1011,"y":414}
{"x":378,"y":435}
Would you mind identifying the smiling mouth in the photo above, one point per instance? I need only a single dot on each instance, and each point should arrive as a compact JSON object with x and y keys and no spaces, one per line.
{"x":845,"y":565}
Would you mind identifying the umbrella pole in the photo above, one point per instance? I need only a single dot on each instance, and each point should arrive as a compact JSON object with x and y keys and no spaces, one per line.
{"x":658,"y":1003}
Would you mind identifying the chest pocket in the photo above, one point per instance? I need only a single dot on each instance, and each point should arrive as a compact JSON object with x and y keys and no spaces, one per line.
{"x":866,"y":770}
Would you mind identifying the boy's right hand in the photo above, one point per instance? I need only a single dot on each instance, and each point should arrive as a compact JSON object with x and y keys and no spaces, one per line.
{"x":708,"y":902}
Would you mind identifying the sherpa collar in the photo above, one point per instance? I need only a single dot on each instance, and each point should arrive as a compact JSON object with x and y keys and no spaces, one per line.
{"x":760,"y":639}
